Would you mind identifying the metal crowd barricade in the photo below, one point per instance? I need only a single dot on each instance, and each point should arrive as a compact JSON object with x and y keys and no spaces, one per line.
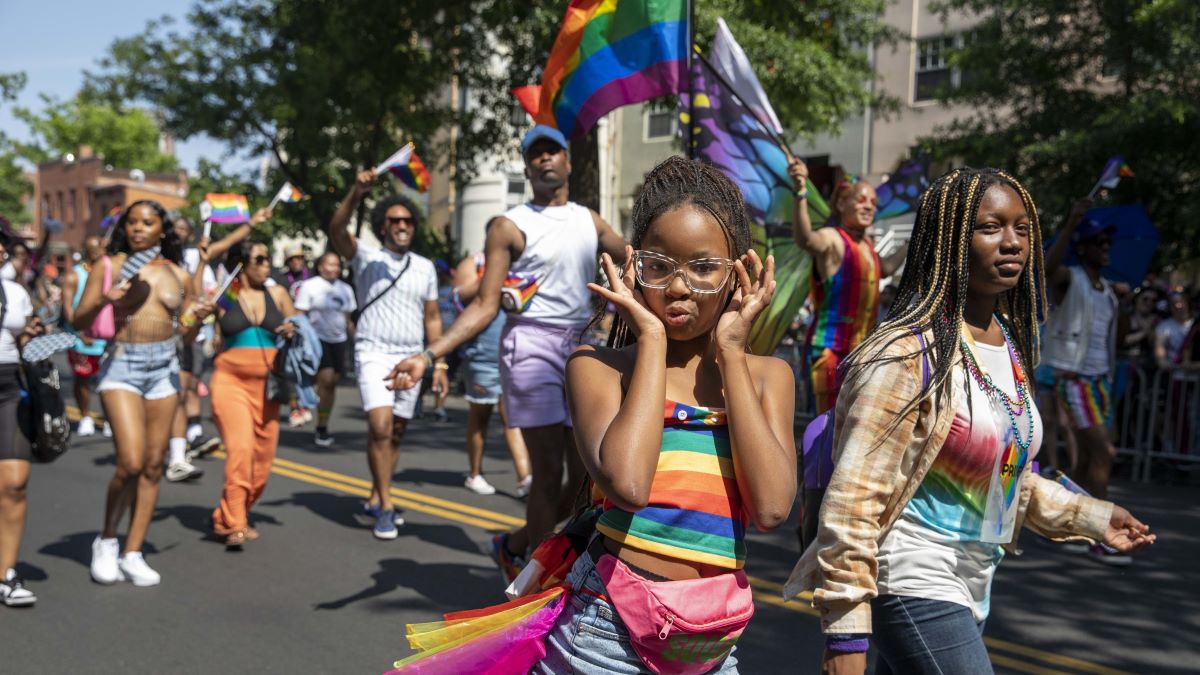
{"x":1172,"y":429}
{"x":1133,"y":419}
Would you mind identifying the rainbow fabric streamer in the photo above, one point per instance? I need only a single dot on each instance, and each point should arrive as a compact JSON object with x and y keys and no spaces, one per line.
{"x":611,"y":53}
{"x":412,"y":173}
{"x":228,"y":208}
{"x":505,"y":638}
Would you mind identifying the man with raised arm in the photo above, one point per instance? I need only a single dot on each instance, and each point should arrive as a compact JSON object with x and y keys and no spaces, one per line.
{"x":398,"y":314}
{"x":547,"y":248}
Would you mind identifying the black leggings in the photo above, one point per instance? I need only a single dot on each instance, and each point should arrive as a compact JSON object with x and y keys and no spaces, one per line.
{"x":13,"y":444}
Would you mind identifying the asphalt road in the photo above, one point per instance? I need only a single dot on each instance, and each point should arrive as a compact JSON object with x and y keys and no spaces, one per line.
{"x":318,"y":594}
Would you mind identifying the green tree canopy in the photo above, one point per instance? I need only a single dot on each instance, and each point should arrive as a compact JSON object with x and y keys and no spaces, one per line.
{"x":126,"y":137}
{"x":1058,"y":88}
{"x":13,"y":185}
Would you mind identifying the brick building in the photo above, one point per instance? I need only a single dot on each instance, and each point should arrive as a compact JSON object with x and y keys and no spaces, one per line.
{"x":79,"y":190}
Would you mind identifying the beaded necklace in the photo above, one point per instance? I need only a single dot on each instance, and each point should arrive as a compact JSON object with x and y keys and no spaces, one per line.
{"x":1016,"y":408}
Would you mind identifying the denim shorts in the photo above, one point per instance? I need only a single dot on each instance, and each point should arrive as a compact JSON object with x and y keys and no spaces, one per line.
{"x":590,"y":638}
{"x":148,"y":369}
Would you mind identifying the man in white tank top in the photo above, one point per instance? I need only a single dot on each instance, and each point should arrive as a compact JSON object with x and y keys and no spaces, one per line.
{"x":1080,"y":345}
{"x":553,"y":245}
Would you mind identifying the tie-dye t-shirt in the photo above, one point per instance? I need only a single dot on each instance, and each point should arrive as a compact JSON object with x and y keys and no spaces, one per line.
{"x":934,"y":549}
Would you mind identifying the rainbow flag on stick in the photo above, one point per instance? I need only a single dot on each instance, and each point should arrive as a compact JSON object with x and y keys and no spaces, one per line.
{"x":288,"y":194}
{"x":1114,"y":170}
{"x":228,"y":208}
{"x":227,"y":294}
{"x":610,"y":53}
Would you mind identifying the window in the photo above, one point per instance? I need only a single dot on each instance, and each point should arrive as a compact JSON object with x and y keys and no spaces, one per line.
{"x":660,"y":124}
{"x":73,"y":215}
{"x":933,"y":67}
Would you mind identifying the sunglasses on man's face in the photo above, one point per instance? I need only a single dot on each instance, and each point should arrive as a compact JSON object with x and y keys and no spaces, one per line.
{"x":397,"y":220}
{"x":260,"y":260}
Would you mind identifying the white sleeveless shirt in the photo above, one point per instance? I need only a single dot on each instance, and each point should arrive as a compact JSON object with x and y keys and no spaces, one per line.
{"x":560,"y":252}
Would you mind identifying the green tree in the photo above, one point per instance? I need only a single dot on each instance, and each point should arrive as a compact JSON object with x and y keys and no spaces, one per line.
{"x":126,"y":137}
{"x":1058,"y":88}
{"x":13,"y":185}
{"x":325,"y":88}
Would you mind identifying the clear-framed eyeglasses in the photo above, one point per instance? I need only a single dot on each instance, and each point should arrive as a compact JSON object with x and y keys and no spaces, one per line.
{"x":702,"y":275}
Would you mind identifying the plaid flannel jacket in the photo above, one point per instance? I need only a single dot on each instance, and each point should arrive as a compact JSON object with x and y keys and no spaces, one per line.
{"x":877,"y":471}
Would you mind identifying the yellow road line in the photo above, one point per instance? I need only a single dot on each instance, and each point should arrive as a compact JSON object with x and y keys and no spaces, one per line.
{"x":1051,"y":657}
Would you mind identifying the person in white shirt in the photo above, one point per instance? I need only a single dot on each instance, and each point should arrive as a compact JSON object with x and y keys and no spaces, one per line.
{"x":397,"y":293}
{"x":17,"y":325}
{"x":327,"y":301}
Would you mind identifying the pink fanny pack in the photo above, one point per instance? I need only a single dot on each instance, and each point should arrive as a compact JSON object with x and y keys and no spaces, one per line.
{"x":679,"y":627}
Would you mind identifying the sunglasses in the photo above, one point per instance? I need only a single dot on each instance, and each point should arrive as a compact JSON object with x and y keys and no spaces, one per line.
{"x":260,"y":260}
{"x":397,"y":220}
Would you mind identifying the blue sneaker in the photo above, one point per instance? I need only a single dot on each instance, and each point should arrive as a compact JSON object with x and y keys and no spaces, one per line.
{"x":385,"y":525}
{"x":372,"y":511}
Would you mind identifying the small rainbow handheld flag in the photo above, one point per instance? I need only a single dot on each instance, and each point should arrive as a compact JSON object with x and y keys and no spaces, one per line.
{"x":111,"y":218}
{"x":228,"y":208}
{"x":1115,"y":169}
{"x":227,"y":294}
{"x":413,"y":173}
{"x":288,"y":194}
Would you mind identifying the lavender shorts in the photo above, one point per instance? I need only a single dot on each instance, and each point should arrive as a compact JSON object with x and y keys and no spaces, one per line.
{"x":533,"y":372}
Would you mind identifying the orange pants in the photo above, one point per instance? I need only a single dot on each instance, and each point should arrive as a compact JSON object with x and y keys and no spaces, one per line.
{"x":826,"y":380}
{"x":249,"y":427}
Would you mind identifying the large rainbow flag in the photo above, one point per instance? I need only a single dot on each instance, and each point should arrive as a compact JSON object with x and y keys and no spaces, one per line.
{"x":228,"y":208}
{"x":611,"y":53}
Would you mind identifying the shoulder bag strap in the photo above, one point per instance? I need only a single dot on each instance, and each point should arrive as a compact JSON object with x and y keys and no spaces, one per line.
{"x":407,"y":262}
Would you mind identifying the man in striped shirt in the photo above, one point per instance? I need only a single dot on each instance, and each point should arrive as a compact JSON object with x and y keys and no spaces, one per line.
{"x":397,"y":294}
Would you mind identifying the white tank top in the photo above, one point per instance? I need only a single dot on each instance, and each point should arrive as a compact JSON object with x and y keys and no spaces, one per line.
{"x":560,"y":252}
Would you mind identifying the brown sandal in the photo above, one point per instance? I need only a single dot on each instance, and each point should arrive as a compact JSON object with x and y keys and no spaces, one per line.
{"x":235,"y":540}
{"x":251,"y":534}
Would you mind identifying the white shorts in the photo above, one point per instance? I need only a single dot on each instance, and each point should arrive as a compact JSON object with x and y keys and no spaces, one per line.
{"x":370,"y":368}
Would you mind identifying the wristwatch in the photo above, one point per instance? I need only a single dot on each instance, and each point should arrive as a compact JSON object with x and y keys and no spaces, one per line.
{"x":801,"y":194}
{"x":429,"y":357}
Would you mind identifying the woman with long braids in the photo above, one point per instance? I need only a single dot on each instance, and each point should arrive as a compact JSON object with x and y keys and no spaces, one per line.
{"x":935,"y":434}
{"x":686,"y":435}
{"x":139,"y":375}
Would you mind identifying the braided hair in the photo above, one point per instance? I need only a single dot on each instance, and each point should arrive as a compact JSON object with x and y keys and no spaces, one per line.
{"x":680,"y":182}
{"x":933,"y":290}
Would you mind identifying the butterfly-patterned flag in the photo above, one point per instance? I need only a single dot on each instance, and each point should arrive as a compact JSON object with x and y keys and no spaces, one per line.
{"x":726,"y":134}
{"x":902,"y":190}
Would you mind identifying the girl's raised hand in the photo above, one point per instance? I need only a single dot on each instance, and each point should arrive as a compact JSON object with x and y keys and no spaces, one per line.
{"x":750,"y":299}
{"x":626,"y":298}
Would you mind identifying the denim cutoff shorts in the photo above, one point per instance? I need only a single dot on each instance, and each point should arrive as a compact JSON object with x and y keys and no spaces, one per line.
{"x":148,"y":369}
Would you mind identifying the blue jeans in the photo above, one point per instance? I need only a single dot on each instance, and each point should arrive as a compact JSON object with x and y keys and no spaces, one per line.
{"x":921,"y":636}
{"x":589,"y":637}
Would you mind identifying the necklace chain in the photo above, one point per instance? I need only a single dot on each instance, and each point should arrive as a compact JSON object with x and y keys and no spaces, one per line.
{"x":1018,"y":407}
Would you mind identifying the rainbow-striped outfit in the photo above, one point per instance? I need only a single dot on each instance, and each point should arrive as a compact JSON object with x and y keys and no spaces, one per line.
{"x":845,"y":307}
{"x":695,"y":510}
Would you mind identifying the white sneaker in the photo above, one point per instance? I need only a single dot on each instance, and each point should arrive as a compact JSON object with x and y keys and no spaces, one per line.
{"x":523,"y":486}
{"x":107,"y":430}
{"x":13,"y":592}
{"x":479,"y":485}
{"x":134,"y":566}
{"x":181,"y":471}
{"x":105,"y":569}
{"x":87,"y":426}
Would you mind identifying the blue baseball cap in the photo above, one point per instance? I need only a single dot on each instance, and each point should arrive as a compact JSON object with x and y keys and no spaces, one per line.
{"x":538,"y":133}
{"x":1090,"y":229}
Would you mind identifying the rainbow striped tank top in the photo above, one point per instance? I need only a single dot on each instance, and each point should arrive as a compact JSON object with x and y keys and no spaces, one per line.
{"x":846,"y":303}
{"x":695,"y":510}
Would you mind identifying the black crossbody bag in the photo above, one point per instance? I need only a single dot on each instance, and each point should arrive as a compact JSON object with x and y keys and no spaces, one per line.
{"x":354,"y":316}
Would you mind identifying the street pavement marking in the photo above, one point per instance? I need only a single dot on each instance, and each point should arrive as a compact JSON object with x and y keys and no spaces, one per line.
{"x":764,"y":590}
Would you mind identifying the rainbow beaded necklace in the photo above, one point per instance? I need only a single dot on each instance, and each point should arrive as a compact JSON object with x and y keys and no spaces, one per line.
{"x":1015,"y":407}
